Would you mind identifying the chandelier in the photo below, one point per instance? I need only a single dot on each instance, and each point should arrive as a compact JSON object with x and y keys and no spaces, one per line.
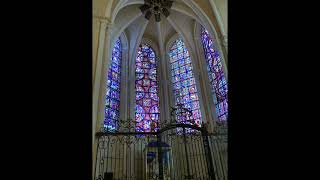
{"x":156,"y":7}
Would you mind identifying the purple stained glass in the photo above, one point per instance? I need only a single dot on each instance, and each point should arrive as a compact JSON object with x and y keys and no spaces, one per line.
{"x":147,"y":100}
{"x":113,"y":88}
{"x":216,"y":76}
{"x":184,"y":88}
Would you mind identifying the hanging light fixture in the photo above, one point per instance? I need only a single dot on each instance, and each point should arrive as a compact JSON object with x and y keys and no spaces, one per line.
{"x":156,"y":7}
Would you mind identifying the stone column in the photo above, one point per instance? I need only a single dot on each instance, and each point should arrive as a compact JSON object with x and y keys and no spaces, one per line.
{"x":99,"y":80}
{"x":103,"y":62}
{"x":224,"y":42}
{"x":224,"y":47}
{"x":163,"y":78}
{"x":205,"y":88}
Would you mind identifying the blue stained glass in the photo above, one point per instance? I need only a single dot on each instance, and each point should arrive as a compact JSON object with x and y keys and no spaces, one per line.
{"x":147,"y":99}
{"x":139,"y":119}
{"x":107,"y":101}
{"x":139,"y":76}
{"x":193,"y":97}
{"x":153,"y":74}
{"x":153,"y":89}
{"x":146,"y":82}
{"x":177,"y":86}
{"x":139,"y":88}
{"x":139,"y":109}
{"x":186,"y":99}
{"x":216,"y":75}
{"x":154,"y":109}
{"x":146,"y":65}
{"x":154,"y":96}
{"x":112,"y":104}
{"x":146,"y":102}
{"x":114,"y":85}
{"x":183,"y":81}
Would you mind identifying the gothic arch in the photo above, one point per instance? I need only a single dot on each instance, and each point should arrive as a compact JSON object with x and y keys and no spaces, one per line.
{"x":197,"y":35}
{"x":207,"y":87}
{"x":197,"y":13}
{"x":196,"y":72}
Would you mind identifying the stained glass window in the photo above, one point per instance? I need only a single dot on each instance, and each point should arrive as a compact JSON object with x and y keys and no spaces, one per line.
{"x":184,"y":85}
{"x":217,"y":79}
{"x":147,"y":100}
{"x":113,"y":88}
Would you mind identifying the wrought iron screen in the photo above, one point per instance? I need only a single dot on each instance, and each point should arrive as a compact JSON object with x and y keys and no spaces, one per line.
{"x":177,"y":150}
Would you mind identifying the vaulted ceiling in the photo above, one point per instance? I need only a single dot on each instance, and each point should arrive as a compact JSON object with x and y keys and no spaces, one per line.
{"x":126,"y":17}
{"x":206,"y":12}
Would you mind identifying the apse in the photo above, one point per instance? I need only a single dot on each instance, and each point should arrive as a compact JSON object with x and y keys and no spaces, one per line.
{"x":162,"y":111}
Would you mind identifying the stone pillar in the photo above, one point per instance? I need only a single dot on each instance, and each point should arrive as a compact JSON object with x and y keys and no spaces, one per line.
{"x":205,"y":87}
{"x":163,"y":78}
{"x":99,"y":81}
{"x":224,"y":42}
{"x":224,"y":48}
{"x":103,"y":62}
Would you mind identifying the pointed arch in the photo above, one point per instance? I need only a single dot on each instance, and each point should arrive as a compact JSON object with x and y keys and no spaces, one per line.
{"x":184,"y":84}
{"x":112,"y":104}
{"x":216,"y":75}
{"x":147,"y":98}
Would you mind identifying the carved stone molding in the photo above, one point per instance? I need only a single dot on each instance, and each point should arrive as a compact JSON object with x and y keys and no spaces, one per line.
{"x":225,"y":40}
{"x":106,"y":22}
{"x":102,"y":18}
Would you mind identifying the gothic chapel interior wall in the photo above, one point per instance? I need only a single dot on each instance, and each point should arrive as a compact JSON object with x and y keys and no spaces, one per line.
{"x":122,"y":18}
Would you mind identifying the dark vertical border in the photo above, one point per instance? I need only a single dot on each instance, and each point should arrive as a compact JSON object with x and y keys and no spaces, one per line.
{"x":49,"y":90}
{"x":269,"y":60}
{"x":251,"y":103}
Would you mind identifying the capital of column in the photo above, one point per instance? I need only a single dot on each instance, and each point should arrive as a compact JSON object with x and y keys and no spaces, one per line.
{"x":102,"y":18}
{"x":105,"y":22}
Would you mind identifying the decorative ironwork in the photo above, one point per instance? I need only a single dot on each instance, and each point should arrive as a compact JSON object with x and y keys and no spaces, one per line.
{"x":171,"y":152}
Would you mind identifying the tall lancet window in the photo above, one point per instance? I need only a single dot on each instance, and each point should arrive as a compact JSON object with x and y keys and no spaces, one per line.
{"x":216,"y":76}
{"x":184,"y":85}
{"x":147,"y":100}
{"x":113,"y":88}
